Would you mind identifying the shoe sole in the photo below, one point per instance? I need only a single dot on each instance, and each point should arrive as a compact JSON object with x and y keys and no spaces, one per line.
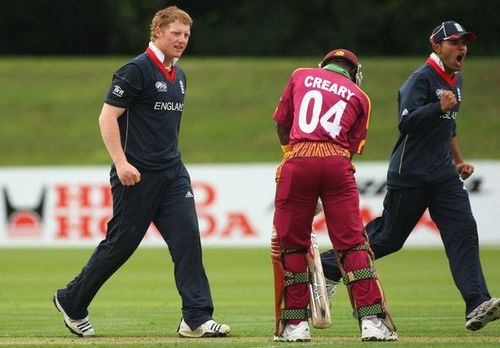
{"x":378,"y":339}
{"x":378,"y":336}
{"x":278,"y":339}
{"x":191,"y":334}
{"x":480,"y":321}
{"x":206,"y":334}
{"x":61,"y":310}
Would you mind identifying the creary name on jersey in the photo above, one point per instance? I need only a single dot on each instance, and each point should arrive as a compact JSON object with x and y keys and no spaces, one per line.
{"x":329,"y":86}
{"x":168,"y":106}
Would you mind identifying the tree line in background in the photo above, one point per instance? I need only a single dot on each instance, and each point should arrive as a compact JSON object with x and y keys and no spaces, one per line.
{"x":243,"y":28}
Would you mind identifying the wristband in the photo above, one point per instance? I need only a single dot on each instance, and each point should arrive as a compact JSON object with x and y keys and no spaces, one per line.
{"x":286,"y":148}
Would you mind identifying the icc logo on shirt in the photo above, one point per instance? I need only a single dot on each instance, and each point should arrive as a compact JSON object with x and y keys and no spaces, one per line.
{"x":161,"y":86}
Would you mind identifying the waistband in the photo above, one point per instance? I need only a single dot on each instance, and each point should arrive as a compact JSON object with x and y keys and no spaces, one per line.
{"x":312,"y":149}
{"x":318,"y":149}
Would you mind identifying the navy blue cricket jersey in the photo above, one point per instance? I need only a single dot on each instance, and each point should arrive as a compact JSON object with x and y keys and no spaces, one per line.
{"x":422,"y":154}
{"x":154,"y":99}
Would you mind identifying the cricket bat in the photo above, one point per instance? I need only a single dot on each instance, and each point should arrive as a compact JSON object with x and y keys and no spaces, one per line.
{"x":320,"y":307}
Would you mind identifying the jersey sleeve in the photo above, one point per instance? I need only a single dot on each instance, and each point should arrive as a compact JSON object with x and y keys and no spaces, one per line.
{"x":284,"y":111}
{"x":415,"y":110}
{"x":126,"y":86}
{"x":357,"y":135}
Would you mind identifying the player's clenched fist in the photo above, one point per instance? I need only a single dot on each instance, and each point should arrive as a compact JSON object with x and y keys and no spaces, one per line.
{"x":128,"y":174}
{"x":465,"y":170}
{"x":447,"y":101}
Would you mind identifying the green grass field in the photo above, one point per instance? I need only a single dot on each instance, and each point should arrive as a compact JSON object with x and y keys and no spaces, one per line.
{"x":139,"y":305}
{"x":49,"y":117}
{"x":50,"y":108}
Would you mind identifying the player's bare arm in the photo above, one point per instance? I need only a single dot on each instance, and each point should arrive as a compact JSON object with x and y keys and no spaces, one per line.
{"x":110,"y":131}
{"x":464,"y":169}
{"x":283,"y":134}
{"x":284,"y":137}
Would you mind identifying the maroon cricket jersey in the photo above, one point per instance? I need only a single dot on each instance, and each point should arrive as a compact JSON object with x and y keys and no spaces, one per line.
{"x":319,"y":105}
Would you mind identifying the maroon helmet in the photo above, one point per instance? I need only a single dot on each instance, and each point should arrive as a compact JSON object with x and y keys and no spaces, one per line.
{"x":347,"y":56}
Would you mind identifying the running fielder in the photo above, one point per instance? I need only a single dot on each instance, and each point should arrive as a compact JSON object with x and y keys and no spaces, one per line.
{"x":426,"y":171}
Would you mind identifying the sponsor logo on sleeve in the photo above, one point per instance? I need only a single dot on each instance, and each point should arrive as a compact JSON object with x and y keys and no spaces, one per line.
{"x":118,"y":91}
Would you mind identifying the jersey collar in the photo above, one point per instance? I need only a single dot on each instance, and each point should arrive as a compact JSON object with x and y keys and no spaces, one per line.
{"x":337,"y":69}
{"x":158,"y":57}
{"x":159,"y":54}
{"x":435,"y":62}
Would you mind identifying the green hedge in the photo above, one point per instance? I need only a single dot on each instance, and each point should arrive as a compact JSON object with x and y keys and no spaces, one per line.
{"x":256,"y":28}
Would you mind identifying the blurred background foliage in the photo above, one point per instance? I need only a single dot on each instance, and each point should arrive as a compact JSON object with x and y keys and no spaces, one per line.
{"x":57,"y":58}
{"x":242,"y":28}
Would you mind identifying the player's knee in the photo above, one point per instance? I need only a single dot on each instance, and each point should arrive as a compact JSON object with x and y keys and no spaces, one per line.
{"x":387,"y":247}
{"x":360,"y":254}
{"x":395,"y":247}
{"x":471,"y":224}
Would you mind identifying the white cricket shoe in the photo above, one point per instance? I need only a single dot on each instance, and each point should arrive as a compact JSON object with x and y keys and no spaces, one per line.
{"x":209,"y":328}
{"x":374,"y":329}
{"x":483,"y":314}
{"x":331,"y":288}
{"x":295,"y":333}
{"x":79,"y":327}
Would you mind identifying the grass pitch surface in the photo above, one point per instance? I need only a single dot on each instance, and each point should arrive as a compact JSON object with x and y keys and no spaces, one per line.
{"x":140,"y":306}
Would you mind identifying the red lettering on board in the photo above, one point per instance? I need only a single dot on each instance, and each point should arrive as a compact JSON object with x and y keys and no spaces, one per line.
{"x":237,"y":221}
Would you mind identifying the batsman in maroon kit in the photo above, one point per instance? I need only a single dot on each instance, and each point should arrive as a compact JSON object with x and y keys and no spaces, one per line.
{"x":322,"y":120}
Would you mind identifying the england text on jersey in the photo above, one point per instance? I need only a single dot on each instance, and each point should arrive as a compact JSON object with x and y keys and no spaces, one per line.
{"x":168,"y":106}
{"x":329,"y":86}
